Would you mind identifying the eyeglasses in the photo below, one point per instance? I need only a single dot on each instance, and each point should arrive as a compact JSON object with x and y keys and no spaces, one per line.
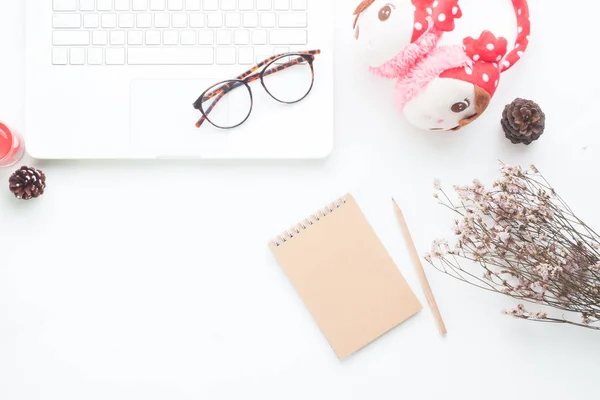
{"x":289,"y":87}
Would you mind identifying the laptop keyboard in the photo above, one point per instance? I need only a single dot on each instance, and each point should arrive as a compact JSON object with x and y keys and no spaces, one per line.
{"x":175,"y":32}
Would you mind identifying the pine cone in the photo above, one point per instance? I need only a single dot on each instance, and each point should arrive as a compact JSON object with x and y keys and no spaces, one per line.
{"x":27,"y":183}
{"x":523,"y":121}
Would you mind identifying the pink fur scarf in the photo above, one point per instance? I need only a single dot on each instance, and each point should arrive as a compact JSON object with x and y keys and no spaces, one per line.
{"x":419,"y":64}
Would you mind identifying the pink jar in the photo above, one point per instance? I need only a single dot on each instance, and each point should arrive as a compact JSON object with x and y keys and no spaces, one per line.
{"x":11,"y":147}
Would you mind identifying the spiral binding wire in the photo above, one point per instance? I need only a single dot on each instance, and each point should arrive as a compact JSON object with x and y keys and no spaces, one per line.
{"x":308,"y":222}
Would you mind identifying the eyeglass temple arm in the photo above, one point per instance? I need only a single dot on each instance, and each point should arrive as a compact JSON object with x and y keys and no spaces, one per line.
{"x":281,"y":67}
{"x":219,"y":93}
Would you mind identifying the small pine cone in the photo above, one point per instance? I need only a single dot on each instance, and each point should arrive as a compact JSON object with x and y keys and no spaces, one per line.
{"x":27,"y":183}
{"x":523,"y":121}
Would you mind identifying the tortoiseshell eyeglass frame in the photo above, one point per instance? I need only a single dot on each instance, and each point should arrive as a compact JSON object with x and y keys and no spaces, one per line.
{"x":218,"y":91}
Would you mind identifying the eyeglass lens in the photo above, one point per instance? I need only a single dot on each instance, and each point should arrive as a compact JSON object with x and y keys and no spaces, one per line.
{"x":290,"y":84}
{"x":229,"y":110}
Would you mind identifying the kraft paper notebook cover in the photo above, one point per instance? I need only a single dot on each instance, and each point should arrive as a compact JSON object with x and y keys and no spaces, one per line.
{"x":345,"y":276}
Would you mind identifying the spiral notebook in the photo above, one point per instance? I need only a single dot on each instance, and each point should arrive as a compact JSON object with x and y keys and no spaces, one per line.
{"x":345,"y":276}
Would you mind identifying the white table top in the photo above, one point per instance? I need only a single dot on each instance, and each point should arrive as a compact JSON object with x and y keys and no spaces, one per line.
{"x":152,"y":280}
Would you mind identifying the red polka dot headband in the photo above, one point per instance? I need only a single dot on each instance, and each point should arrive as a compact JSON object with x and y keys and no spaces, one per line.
{"x":441,"y":13}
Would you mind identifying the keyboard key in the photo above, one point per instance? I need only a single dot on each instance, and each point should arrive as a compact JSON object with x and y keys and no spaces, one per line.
{"x":115,"y":56}
{"x":153,"y":37}
{"x":122,"y":5}
{"x":233,"y":20}
{"x":246,"y":55}
{"x":206,"y":37}
{"x":158,"y":5}
{"x":117,"y":38}
{"x":224,"y":36}
{"x":135,"y":38}
{"x":144,"y":20}
{"x":215,"y":20}
{"x":210,"y":5}
{"x":241,"y":37}
{"x":127,"y":20}
{"x":60,"y":56}
{"x":109,"y":20}
{"x":259,"y":36}
{"x":175,"y":5}
{"x":70,"y":38}
{"x":268,"y":20}
{"x":170,"y":56}
{"x":293,"y":20}
{"x":250,"y":20}
{"x":77,"y":56}
{"x":171,"y":37}
{"x":179,"y":20}
{"x":288,"y":37}
{"x":95,"y":56}
{"x":140,"y":5}
{"x":264,"y":5}
{"x":282,"y":5}
{"x":188,"y":37}
{"x":91,"y":20}
{"x":196,"y":20}
{"x":228,"y":5}
{"x":87,"y":5}
{"x":226,"y":55}
{"x":299,"y":5}
{"x":246,"y":5}
{"x":104,"y":5}
{"x":192,"y":5}
{"x":162,"y":20}
{"x":64,"y":5}
{"x":66,"y":21}
{"x":100,"y":38}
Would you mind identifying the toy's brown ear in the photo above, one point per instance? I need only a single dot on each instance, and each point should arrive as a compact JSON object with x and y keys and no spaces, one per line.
{"x":482,"y":101}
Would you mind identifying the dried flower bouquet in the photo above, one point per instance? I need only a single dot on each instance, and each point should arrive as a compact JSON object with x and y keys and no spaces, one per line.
{"x":519,"y":238}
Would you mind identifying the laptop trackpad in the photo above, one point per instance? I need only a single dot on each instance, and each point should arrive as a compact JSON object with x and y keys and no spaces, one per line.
{"x":163,"y":119}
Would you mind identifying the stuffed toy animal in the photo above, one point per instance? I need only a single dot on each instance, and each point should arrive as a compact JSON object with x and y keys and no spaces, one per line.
{"x":439,"y":88}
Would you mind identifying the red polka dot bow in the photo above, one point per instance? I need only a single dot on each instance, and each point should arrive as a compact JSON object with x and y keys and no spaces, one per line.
{"x":487,"y":48}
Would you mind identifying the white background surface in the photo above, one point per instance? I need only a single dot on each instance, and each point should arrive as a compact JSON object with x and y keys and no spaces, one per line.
{"x":152,"y":280}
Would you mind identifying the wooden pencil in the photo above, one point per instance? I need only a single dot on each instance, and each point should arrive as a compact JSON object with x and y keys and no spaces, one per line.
{"x":420,"y":270}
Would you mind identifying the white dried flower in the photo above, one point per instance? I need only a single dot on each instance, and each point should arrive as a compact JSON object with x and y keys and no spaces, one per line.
{"x":504,"y":237}
{"x":428,"y":257}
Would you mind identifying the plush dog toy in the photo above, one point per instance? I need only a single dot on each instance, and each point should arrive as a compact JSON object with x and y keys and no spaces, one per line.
{"x":438,"y":87}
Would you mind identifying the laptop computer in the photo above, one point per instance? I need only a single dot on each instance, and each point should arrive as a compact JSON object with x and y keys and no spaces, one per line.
{"x":112,"y":79}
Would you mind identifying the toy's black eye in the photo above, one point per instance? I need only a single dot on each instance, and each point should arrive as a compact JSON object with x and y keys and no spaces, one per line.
{"x":384,"y":13}
{"x":459,"y":107}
